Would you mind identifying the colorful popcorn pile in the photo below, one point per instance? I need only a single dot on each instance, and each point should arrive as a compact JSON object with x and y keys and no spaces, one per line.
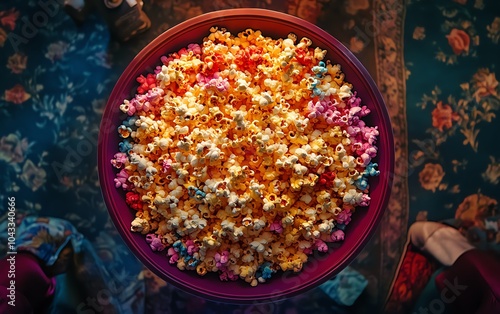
{"x":244,"y":155}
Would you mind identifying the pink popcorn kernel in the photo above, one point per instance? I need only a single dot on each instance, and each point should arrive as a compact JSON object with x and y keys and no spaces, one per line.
{"x":337,"y":235}
{"x":370,"y":134}
{"x":121,"y":180}
{"x":354,"y":102}
{"x":364,"y":148}
{"x":155,"y":242}
{"x":222,"y":85}
{"x":329,"y":111}
{"x":166,"y":60}
{"x":182,"y":51}
{"x":140,"y":102}
{"x":166,"y":165}
{"x":173,"y":254}
{"x":204,"y":79}
{"x":221,"y":259}
{"x":364,"y":133}
{"x":119,"y":159}
{"x":227,"y":274}
{"x":324,"y":108}
{"x":192,"y":247}
{"x":154,"y":95}
{"x":344,"y":217}
{"x":276,"y":227}
{"x":320,"y":245}
{"x":194,"y":48}
{"x":308,"y":250}
{"x":363,"y":139}
{"x":365,"y":200}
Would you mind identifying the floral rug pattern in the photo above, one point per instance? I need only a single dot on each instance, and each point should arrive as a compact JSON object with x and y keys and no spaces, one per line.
{"x":452,"y":107}
{"x":454,"y":170}
{"x":56,"y":78}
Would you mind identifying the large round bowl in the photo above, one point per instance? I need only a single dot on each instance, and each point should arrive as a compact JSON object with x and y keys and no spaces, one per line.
{"x":321,"y":266}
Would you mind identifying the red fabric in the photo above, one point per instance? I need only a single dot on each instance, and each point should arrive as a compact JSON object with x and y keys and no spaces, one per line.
{"x":410,"y":279}
{"x":474,"y":279}
{"x":34,"y":290}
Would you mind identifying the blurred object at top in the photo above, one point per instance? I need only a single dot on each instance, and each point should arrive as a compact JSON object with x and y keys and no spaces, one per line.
{"x":125,"y":18}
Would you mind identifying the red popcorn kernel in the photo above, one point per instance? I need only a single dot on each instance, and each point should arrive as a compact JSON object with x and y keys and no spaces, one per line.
{"x":326,"y":179}
{"x":133,"y":200}
{"x":213,"y":64}
{"x":249,"y":58}
{"x":303,"y":57}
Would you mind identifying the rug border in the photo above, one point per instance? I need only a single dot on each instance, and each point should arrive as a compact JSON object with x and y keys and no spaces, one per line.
{"x":391,"y":79}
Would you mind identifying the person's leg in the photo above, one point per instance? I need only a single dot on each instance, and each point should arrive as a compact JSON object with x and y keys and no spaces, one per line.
{"x":429,"y":300}
{"x":470,"y":283}
{"x":443,"y":242}
{"x":33,"y":288}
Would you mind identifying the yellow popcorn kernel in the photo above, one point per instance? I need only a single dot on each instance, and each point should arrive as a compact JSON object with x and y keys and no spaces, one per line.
{"x":211,"y":242}
{"x":210,"y":263}
{"x":222,"y":215}
{"x":335,"y":210}
{"x":236,"y":252}
{"x":296,"y":183}
{"x":270,"y":175}
{"x":181,"y":264}
{"x":318,"y":145}
{"x":286,"y":200}
{"x":291,"y":238}
{"x":319,"y":53}
{"x":143,"y":214}
{"x":237,"y":233}
{"x":247,"y":221}
{"x":286,"y":265}
{"x":246,"y":271}
{"x":348,"y":162}
{"x":201,"y":269}
{"x":304,"y":244}
{"x":340,"y":151}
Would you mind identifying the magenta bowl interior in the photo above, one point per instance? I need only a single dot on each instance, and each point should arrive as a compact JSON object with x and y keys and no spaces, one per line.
{"x":321,"y":266}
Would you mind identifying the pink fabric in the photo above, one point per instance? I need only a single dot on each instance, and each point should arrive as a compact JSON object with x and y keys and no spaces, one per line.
{"x":34,"y":290}
{"x":474,"y":279}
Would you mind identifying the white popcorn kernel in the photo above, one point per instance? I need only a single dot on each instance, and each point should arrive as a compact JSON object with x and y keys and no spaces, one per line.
{"x":140,"y":225}
{"x":299,"y":169}
{"x":287,"y":220}
{"x":345,"y":91}
{"x":306,"y":198}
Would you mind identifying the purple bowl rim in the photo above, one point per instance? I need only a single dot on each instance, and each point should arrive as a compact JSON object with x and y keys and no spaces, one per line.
{"x":347,"y":56}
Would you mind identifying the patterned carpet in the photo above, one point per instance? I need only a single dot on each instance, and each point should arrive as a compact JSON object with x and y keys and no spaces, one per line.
{"x":435,"y":63}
